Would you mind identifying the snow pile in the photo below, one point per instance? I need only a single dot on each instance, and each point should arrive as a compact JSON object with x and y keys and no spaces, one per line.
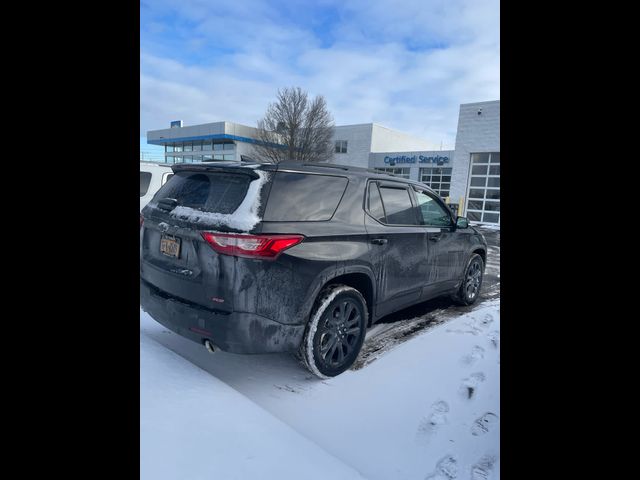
{"x":193,"y":426}
{"x":427,"y":408}
{"x":244,"y":218}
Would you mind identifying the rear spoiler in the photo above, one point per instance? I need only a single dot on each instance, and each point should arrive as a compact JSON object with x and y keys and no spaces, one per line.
{"x":215,"y":168}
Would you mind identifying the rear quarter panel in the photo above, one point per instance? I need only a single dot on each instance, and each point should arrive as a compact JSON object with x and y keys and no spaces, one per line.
{"x":331,"y":248}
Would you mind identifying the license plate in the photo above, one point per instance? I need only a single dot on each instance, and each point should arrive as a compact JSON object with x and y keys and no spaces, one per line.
{"x":170,"y":246}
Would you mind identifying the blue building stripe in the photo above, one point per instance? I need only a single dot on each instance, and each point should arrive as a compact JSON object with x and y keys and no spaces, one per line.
{"x":219,"y":136}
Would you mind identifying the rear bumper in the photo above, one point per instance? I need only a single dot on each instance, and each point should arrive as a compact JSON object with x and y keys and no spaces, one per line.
{"x":234,"y":332}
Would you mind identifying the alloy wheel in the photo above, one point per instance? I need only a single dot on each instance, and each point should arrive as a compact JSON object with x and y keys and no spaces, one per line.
{"x":472,"y":281}
{"x":339,"y":332}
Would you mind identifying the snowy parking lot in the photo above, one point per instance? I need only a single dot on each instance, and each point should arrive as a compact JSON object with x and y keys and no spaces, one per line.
{"x":422,"y":401}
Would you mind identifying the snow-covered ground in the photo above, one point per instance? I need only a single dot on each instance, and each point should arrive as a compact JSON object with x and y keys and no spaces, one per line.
{"x":193,"y":426}
{"x":428,"y":407}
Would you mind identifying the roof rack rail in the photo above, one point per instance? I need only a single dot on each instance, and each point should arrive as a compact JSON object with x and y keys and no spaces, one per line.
{"x":326,"y":165}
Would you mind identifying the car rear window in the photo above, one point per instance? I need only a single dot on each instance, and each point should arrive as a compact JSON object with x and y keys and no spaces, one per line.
{"x":145,"y":180}
{"x":301,"y":197}
{"x":209,"y":192}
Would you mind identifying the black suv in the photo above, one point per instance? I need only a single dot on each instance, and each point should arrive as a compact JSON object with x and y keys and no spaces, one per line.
{"x":256,"y":258}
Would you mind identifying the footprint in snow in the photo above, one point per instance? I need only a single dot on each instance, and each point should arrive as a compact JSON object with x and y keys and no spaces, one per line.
{"x":432,"y":422}
{"x":494,"y":338}
{"x":486,"y":320}
{"x":470,"y":385}
{"x":446,"y":469}
{"x":485,"y":424}
{"x":477,"y":325}
{"x":483,"y":468}
{"x":477,"y":353}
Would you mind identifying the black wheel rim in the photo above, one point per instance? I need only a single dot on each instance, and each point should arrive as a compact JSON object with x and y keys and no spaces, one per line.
{"x":339,"y":333}
{"x":472,"y":280}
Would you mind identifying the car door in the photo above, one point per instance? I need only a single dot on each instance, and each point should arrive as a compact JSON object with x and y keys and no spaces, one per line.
{"x":446,"y":249}
{"x":397,"y":243}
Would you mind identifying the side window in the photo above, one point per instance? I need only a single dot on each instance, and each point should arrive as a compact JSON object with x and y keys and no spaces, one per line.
{"x":433,"y":213}
{"x":397,"y":205}
{"x":374,"y":203}
{"x":145,"y":180}
{"x":300,"y":197}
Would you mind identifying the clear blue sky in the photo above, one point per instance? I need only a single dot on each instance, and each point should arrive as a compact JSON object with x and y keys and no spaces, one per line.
{"x":405,"y":64}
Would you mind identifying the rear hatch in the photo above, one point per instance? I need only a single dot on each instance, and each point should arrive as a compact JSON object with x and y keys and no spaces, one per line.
{"x":175,"y":259}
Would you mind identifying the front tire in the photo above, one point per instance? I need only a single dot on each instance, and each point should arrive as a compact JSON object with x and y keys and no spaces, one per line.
{"x":469,"y":290}
{"x":335,"y":332}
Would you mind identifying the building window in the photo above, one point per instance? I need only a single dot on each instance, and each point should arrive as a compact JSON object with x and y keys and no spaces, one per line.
{"x":228,"y":157}
{"x":188,"y":146}
{"x":187,"y":159}
{"x":341,"y":146}
{"x":483,"y":198}
{"x":206,"y":145}
{"x":398,"y":172}
{"x":218,"y":146}
{"x":228,"y":146}
{"x":207,"y":158}
{"x":170,"y":159}
{"x":439,"y":179}
{"x":168,"y":148}
{"x":177,"y":147}
{"x":197,"y":146}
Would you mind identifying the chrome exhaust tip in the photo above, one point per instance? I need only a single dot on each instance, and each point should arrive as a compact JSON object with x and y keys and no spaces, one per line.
{"x":209,"y":346}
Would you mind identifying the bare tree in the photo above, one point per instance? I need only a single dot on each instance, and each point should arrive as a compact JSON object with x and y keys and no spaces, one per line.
{"x":295,"y":128}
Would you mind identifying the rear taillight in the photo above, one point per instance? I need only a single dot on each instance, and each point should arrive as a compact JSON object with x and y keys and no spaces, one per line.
{"x":141,"y":221}
{"x":267,"y":247}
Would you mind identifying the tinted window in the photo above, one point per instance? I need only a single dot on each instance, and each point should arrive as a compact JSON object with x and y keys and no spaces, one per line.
{"x":375,"y":203}
{"x":299,"y":197}
{"x":145,"y":179}
{"x":432,"y":212}
{"x":216,"y":192}
{"x":397,"y":206}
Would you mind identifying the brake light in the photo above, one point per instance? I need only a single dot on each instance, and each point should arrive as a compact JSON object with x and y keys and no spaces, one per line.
{"x":141,"y":221}
{"x":267,"y":247}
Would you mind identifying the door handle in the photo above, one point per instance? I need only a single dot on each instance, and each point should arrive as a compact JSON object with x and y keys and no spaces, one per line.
{"x":434,"y":238}
{"x":379,"y":241}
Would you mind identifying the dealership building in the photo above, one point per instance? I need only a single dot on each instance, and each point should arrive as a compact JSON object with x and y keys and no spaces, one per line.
{"x":467,"y":177}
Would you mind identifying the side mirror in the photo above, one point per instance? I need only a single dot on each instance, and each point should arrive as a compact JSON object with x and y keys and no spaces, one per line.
{"x":462,"y":222}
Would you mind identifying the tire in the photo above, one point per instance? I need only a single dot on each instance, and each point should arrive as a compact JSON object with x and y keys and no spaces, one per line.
{"x":471,"y":285}
{"x":335,"y":332}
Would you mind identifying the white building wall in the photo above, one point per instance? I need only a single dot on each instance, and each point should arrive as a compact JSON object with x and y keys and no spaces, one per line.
{"x":386,"y":140}
{"x":240,"y":130}
{"x":358,"y":139}
{"x":364,"y":139}
{"x":476,"y":134}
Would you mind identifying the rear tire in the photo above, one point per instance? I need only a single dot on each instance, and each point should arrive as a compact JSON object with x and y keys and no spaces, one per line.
{"x":471,"y":285}
{"x":335,"y":332}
